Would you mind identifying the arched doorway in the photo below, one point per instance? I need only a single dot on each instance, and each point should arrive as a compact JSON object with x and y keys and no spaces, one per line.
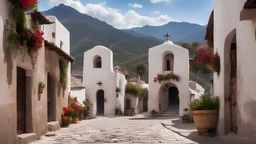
{"x":173,"y":97}
{"x":168,"y":97}
{"x":230,"y":82}
{"x":100,"y":102}
{"x":233,"y":84}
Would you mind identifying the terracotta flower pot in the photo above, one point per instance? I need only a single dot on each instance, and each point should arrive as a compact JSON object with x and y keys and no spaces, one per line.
{"x":65,"y":123}
{"x":75,"y":120}
{"x":41,"y":89}
{"x":205,"y":120}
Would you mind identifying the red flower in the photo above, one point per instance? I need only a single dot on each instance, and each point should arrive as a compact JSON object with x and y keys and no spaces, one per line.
{"x":155,"y":80}
{"x":65,"y":109}
{"x":27,"y":3}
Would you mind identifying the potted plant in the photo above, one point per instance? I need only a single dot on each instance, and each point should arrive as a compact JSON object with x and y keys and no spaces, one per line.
{"x":185,"y":119}
{"x":87,"y":108}
{"x":119,"y":112}
{"x":70,"y":119}
{"x":65,"y":121}
{"x":75,"y":118}
{"x":133,"y":112}
{"x":205,"y":110}
{"x":154,"y":113}
{"x":41,"y":87}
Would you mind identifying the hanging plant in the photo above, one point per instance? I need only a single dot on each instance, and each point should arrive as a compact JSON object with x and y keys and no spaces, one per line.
{"x":216,"y":64}
{"x":33,"y":38}
{"x":166,"y":77}
{"x":118,"y":90}
{"x":63,"y":74}
{"x":41,"y":87}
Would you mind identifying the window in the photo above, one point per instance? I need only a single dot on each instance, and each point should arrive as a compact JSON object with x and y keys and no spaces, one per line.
{"x":97,"y":62}
{"x":53,"y":34}
{"x":168,"y":62}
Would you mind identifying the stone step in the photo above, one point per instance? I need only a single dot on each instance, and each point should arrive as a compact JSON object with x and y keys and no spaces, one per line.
{"x":26,"y":138}
{"x":53,"y":126}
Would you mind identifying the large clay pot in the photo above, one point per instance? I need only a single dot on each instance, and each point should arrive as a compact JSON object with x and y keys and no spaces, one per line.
{"x":205,"y":120}
{"x":75,"y":120}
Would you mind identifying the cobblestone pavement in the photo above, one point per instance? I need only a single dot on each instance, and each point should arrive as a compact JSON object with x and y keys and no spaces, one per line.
{"x":116,"y":130}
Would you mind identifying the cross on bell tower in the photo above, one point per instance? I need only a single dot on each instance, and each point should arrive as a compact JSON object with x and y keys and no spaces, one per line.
{"x":167,"y":36}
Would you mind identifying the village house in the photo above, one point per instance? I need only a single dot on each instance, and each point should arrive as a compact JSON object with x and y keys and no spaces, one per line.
{"x":168,"y":78}
{"x":231,"y":31}
{"x":34,"y":76}
{"x":105,"y":88}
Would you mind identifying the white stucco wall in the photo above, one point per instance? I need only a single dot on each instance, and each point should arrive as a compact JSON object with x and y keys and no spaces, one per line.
{"x":181,"y":68}
{"x":61,"y":34}
{"x":80,"y":94}
{"x":120,"y":83}
{"x":227,"y":24}
{"x":106,"y":75}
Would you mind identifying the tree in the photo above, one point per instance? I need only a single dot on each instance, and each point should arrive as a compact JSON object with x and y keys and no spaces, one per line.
{"x":185,"y":45}
{"x":141,"y":70}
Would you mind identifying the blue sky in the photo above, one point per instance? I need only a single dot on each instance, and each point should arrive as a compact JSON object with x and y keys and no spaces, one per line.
{"x":136,"y":13}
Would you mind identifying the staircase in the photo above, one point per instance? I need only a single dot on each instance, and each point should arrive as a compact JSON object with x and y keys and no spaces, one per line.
{"x":171,"y":112}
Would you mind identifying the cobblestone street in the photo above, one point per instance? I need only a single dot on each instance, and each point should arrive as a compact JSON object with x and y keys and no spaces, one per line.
{"x":116,"y":130}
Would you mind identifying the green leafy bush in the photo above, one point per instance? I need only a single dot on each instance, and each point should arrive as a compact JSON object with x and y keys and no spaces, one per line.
{"x":63,"y":74}
{"x":205,"y":102}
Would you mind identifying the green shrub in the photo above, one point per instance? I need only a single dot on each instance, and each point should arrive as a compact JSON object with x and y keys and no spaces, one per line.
{"x":205,"y":102}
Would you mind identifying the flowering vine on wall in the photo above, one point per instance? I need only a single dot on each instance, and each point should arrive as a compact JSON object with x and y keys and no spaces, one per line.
{"x":19,"y":34}
{"x":166,"y":77}
{"x":205,"y":56}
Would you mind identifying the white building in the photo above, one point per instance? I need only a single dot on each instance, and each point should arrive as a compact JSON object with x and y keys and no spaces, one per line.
{"x":234,"y":39}
{"x":59,"y":35}
{"x":101,"y":82}
{"x":196,"y":90}
{"x":163,"y":59}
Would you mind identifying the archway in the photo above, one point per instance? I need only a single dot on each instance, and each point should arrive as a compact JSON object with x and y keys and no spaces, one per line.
{"x":100,"y":102}
{"x":97,"y":62}
{"x":230,"y":82}
{"x":168,"y":97}
{"x":173,"y":97}
{"x":168,"y":61}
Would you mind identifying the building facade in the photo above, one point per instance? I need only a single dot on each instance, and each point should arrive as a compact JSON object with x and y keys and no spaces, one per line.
{"x":163,"y":59}
{"x":26,"y":109}
{"x":233,"y":30}
{"x":101,"y":82}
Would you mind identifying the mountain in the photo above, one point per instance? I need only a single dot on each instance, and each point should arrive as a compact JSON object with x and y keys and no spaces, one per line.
{"x":178,"y":31}
{"x":86,"y":31}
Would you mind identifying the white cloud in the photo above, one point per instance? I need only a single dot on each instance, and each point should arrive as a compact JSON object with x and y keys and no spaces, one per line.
{"x":156,"y":12}
{"x":159,"y":1}
{"x":113,"y":16}
{"x":134,"y":5}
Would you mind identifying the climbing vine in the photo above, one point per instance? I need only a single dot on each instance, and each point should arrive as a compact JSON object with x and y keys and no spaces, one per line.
{"x":63,"y":74}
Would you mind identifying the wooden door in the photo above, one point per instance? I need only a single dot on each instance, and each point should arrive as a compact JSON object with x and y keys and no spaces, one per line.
{"x":100,"y":102}
{"x":21,"y":101}
{"x":233,"y":87}
{"x":128,"y":104}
